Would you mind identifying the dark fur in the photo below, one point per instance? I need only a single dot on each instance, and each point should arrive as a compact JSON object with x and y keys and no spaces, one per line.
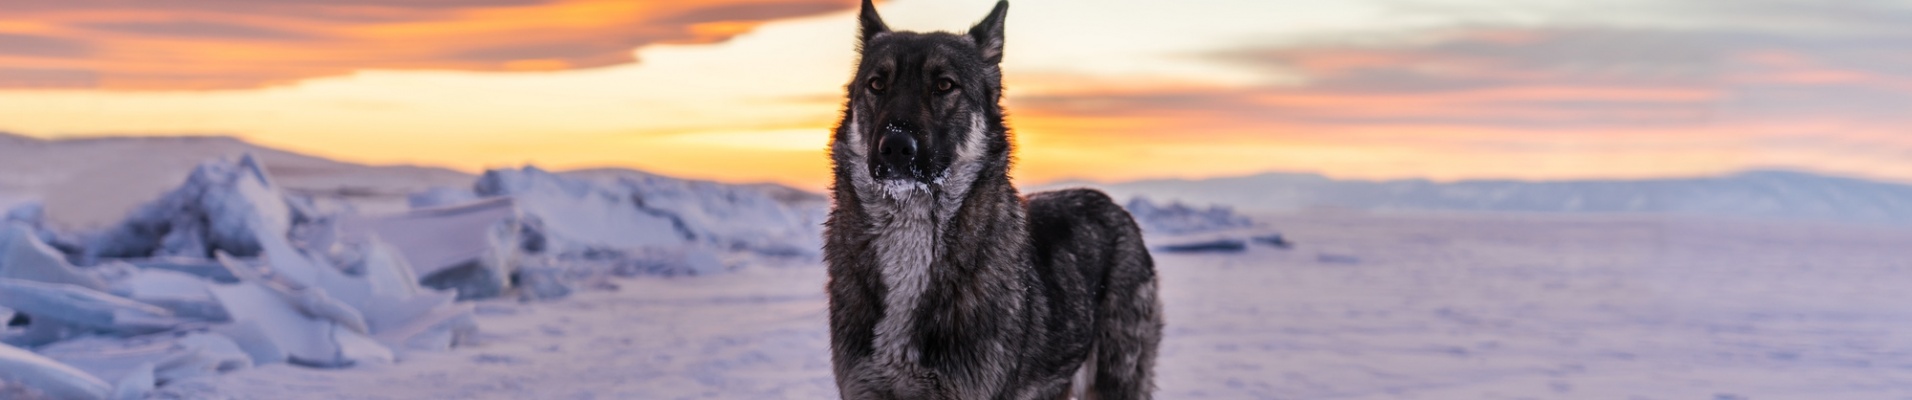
{"x":997,"y":296}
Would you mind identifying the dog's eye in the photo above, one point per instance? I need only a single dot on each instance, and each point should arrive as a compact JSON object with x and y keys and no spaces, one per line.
{"x":876,"y":84}
{"x":945,"y":85}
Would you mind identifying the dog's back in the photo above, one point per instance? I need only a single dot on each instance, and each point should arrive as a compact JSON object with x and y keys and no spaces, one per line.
{"x":1089,"y":252}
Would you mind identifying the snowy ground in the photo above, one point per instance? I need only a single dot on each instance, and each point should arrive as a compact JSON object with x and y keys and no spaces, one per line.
{"x":1364,"y":307}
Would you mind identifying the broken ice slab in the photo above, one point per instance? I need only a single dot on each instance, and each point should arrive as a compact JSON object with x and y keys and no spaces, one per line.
{"x":302,"y":273}
{"x":1224,"y":245}
{"x":387,"y":270}
{"x":255,"y":341}
{"x":619,"y":209}
{"x":48,"y":377}
{"x":667,"y":261}
{"x":200,"y":267}
{"x":435,"y":239}
{"x":395,"y":312}
{"x":1176,"y":218}
{"x":429,"y":321}
{"x":541,"y":283}
{"x":305,"y":339}
{"x":313,"y":301}
{"x":358,"y":349}
{"x":173,"y":356}
{"x":469,"y":247}
{"x":135,"y":385}
{"x":578,"y":214}
{"x":24,"y":256}
{"x":298,"y":335}
{"x":186,"y":295}
{"x":1275,"y":240}
{"x":40,"y":332}
{"x":83,"y":307}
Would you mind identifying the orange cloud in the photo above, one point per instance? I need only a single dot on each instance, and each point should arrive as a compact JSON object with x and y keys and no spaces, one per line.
{"x":225,"y":44}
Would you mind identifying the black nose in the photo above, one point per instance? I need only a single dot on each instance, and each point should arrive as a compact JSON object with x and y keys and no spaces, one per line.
{"x":896,"y":150}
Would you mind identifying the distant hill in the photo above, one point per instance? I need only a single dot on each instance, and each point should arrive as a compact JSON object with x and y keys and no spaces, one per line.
{"x":96,"y":180}
{"x":88,"y":182}
{"x":1753,"y":194}
{"x":91,"y":182}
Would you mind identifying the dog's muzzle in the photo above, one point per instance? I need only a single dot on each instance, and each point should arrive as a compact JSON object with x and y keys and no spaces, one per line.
{"x":896,"y":153}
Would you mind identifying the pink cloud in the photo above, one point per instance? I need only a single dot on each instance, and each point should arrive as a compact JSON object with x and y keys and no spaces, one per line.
{"x":218,"y":44}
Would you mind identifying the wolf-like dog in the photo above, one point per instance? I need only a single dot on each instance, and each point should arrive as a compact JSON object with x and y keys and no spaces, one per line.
{"x":945,"y":283}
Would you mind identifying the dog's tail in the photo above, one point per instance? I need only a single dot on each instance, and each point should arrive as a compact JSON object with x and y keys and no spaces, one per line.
{"x":1128,"y":322}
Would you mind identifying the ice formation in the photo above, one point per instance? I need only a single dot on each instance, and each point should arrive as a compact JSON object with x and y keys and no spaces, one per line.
{"x":628,"y":209}
{"x":228,"y":271}
{"x":42,"y":375}
{"x":471,"y":248}
{"x":1176,"y":218}
{"x":223,"y":273}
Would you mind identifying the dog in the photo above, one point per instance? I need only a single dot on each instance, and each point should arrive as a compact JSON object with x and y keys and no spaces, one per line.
{"x":945,"y":283}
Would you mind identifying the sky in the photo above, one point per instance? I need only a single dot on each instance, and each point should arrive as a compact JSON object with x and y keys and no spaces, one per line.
{"x":1105,"y":90}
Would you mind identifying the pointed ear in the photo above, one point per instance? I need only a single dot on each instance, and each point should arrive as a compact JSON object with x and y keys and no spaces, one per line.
{"x":988,"y":33}
{"x":870,"y":23}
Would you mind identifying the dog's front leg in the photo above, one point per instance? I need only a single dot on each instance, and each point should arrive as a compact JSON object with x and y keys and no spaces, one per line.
{"x":870,"y":381}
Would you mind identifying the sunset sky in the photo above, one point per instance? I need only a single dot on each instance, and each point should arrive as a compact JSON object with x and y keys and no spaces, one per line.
{"x":746,"y":90}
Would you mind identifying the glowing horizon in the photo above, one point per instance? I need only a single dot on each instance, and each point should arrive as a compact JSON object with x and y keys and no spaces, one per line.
{"x":747,"y":90}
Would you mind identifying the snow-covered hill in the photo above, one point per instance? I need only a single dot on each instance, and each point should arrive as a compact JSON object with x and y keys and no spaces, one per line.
{"x":89,"y":182}
{"x":1756,"y":194}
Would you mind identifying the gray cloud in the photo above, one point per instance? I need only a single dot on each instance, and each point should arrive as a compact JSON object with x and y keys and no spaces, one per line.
{"x":195,"y":29}
{"x":42,"y":46}
{"x":1551,"y":78}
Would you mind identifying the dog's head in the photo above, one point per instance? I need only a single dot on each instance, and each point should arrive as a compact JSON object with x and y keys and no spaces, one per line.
{"x":923,"y":114}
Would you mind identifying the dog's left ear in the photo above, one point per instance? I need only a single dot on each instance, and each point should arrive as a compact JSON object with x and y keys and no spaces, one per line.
{"x":988,"y":33}
{"x":869,"y":24}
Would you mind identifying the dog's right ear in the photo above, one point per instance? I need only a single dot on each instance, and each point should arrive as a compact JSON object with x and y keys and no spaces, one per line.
{"x":988,"y":33}
{"x":870,"y":23}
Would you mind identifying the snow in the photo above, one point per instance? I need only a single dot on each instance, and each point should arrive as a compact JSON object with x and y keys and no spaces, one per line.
{"x":1424,"y":306}
{"x":1783,"y":195}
